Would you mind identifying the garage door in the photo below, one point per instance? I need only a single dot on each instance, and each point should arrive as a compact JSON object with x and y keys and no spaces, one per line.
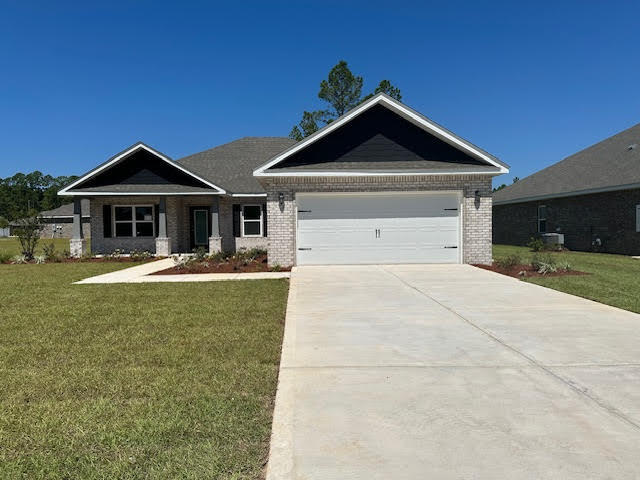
{"x":378,"y":228}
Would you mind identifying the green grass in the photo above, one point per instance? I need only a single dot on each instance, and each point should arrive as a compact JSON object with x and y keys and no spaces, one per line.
{"x":11,"y":245}
{"x":614,"y":279}
{"x":135,"y":381}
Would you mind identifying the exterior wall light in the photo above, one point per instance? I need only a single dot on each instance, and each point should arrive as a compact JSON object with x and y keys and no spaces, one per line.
{"x":281,"y":200}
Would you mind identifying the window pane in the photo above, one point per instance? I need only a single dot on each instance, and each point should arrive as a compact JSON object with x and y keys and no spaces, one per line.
{"x":252,"y":212}
{"x":252,"y":228}
{"x":123,"y":213}
{"x":542,"y":212}
{"x":144,"y":229}
{"x":144,"y":213}
{"x":124,"y":229}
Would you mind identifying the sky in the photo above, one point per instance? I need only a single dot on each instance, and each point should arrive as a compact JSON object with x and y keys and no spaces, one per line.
{"x":530,"y":82}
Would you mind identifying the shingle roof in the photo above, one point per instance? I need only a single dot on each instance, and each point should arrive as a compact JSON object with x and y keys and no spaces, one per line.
{"x":609,"y":164}
{"x":66,"y":210}
{"x":231,"y":165}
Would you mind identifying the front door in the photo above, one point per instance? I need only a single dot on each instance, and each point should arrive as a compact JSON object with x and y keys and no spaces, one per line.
{"x":199,"y":227}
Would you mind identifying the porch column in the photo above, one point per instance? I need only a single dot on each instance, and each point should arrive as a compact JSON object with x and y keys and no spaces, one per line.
{"x":215,"y":241}
{"x":77,"y":243}
{"x":163,"y":242}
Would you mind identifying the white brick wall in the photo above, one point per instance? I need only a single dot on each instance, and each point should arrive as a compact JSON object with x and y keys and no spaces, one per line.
{"x":476,"y":213}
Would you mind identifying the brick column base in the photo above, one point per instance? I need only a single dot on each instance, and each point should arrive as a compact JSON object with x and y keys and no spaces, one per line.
{"x":77,"y":247}
{"x":215,"y":244}
{"x":163,"y":246}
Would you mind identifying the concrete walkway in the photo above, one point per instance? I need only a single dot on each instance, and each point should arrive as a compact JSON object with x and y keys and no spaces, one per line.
{"x":452,"y":372}
{"x":142,"y":274}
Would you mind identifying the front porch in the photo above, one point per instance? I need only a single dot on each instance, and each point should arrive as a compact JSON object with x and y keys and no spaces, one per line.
{"x":172,"y":224}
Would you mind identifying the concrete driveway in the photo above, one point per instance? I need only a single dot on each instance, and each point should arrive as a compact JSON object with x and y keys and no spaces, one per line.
{"x":452,"y":372}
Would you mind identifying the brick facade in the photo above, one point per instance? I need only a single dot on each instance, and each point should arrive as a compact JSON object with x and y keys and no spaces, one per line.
{"x":609,"y":216}
{"x":476,"y":214}
{"x":178,"y":223}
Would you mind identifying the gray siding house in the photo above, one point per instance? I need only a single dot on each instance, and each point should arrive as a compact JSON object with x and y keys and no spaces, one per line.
{"x":381,"y":184}
{"x":592,"y":197}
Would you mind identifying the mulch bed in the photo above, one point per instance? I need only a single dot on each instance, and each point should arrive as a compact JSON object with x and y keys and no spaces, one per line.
{"x":230,"y":266}
{"x":529,"y":271}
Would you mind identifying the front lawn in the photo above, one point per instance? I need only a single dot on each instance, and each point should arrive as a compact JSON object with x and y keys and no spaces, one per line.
{"x":11,"y":245}
{"x":135,"y":381}
{"x":613,"y":279}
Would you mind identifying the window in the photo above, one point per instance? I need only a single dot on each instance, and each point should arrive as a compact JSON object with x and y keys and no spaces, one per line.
{"x":133,"y":221}
{"x":542,"y":218}
{"x":251,"y":221}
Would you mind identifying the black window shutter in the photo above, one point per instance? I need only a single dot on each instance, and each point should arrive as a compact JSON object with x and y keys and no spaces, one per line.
{"x":106,"y":220}
{"x":156,"y":216}
{"x":264,"y":219}
{"x":236,"y":220}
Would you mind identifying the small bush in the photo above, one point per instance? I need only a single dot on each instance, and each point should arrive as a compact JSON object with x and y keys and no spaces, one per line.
{"x":49,"y":253}
{"x":114,"y":256}
{"x":545,"y":268}
{"x":40,"y":259}
{"x":140,"y":255}
{"x":5,"y":257}
{"x":564,"y":266}
{"x":509,"y":262}
{"x":536,"y":244}
{"x":18,"y":259}
{"x":276,"y":268}
{"x":199,"y":254}
{"x":539,"y":259}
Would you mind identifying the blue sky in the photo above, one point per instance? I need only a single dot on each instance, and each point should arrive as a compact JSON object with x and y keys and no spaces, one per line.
{"x":531,"y":82}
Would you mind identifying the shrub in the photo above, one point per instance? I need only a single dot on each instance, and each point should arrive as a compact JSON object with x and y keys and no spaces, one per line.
{"x":28,"y":232}
{"x":535,"y":244}
{"x":5,"y":257}
{"x":49,"y":253}
{"x":140,"y":255}
{"x":182,"y":263}
{"x":199,"y":254}
{"x":276,"y":268}
{"x":115,"y":255}
{"x":545,"y":268}
{"x":564,"y":266}
{"x":17,"y":259}
{"x":509,"y":262}
{"x":40,"y":259}
{"x":544,"y":263}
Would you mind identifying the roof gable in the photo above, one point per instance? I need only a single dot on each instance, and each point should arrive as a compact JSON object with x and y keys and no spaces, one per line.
{"x":140,"y":170}
{"x":381,"y":136}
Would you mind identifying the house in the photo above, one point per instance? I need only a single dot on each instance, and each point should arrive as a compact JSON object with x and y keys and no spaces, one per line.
{"x":592,"y":197}
{"x":381,"y":184}
{"x":58,"y":223}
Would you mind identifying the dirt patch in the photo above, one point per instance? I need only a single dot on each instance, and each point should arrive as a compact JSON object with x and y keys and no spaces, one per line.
{"x":520,"y":271}
{"x":232,"y":265}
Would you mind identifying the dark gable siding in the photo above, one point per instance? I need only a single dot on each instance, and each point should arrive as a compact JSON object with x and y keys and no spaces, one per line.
{"x":142,"y":168}
{"x":378,"y":137}
{"x":611,"y":216}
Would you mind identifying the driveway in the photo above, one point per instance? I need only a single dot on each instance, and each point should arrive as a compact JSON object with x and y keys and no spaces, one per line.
{"x":452,"y":372}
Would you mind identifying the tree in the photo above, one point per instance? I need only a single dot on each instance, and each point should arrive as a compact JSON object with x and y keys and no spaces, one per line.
{"x":342,"y":90}
{"x":4,"y":223}
{"x":515,"y":179}
{"x":28,"y":232}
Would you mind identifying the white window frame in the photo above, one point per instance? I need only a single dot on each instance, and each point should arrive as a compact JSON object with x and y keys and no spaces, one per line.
{"x":133,"y":220}
{"x":242,"y":220}
{"x":542,"y":218}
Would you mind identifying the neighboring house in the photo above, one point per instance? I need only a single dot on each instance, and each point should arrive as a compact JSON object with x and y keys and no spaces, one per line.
{"x":381,"y":184}
{"x":592,"y":197}
{"x":58,"y":223}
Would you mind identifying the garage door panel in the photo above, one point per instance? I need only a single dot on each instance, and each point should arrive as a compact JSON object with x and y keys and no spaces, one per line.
{"x":385,"y":228}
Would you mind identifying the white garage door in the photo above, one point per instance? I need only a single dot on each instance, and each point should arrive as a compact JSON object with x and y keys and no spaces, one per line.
{"x":378,"y":228}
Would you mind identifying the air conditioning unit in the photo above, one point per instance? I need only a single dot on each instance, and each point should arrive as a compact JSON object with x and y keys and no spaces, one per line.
{"x":553,"y":238}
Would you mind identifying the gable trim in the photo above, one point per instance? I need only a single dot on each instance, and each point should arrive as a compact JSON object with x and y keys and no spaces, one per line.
{"x":121,"y":156}
{"x":399,"y":108}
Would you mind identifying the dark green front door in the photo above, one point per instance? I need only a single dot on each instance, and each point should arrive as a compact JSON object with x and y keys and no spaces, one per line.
{"x":200,"y":227}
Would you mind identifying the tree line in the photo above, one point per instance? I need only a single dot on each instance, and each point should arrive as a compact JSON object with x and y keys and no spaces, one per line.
{"x":24,"y":194}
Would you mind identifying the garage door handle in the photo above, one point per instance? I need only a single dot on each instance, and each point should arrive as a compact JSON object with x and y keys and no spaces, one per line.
{"x":450,"y":246}
{"x":452,"y":209}
{"x":304,"y":211}
{"x":304,"y":248}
